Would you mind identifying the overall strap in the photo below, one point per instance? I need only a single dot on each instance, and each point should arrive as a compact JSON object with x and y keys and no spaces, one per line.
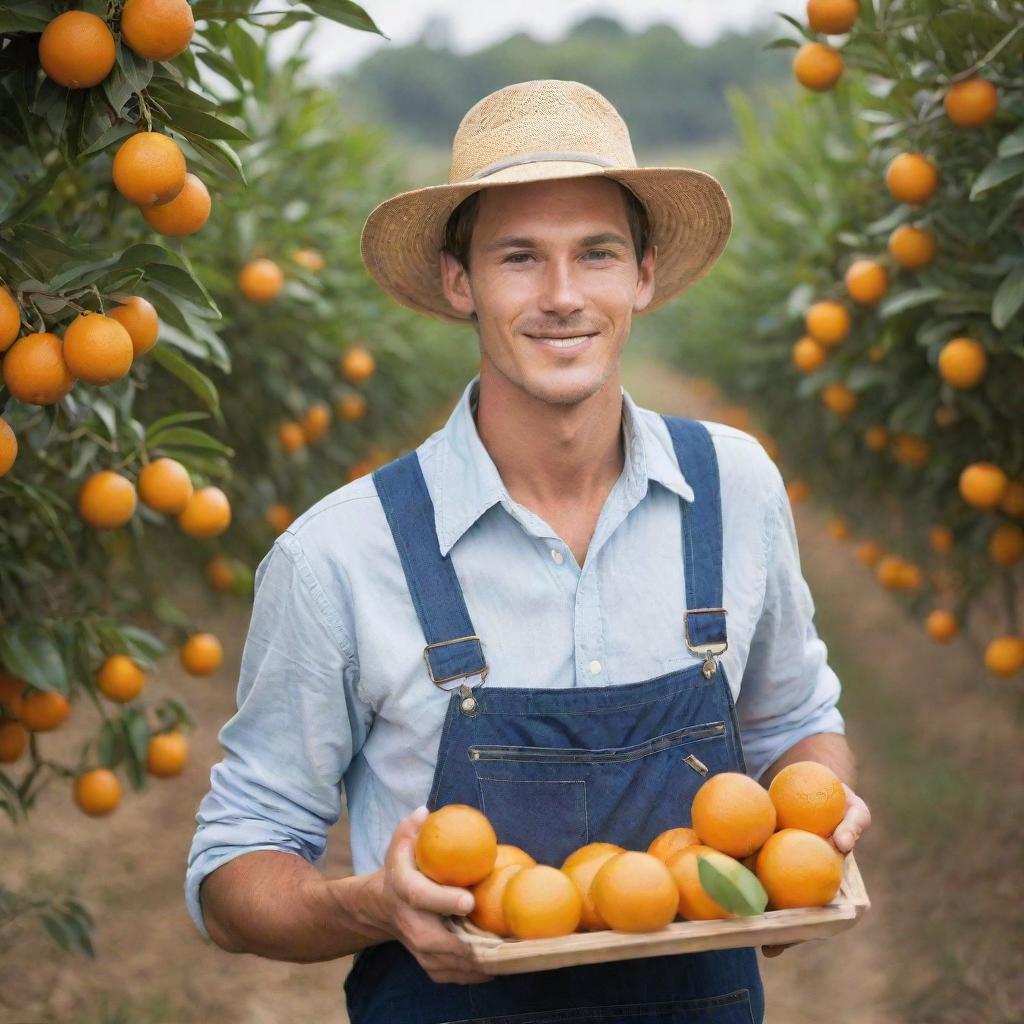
{"x":453,"y":650}
{"x":704,"y":621}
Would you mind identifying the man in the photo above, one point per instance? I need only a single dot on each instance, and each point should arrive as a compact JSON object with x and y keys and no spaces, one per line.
{"x":561,"y":608}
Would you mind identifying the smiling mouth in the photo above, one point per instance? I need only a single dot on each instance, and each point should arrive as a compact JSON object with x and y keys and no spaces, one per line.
{"x":563,"y":341}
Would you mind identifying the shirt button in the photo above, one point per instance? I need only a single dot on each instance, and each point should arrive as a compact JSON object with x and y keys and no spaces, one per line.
{"x":595,"y":667}
{"x":557,"y":556}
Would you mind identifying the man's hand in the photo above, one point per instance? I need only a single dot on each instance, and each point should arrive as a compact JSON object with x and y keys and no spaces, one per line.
{"x":855,"y":823}
{"x":410,"y":906}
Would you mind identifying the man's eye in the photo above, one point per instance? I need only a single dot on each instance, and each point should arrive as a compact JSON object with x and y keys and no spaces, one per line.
{"x":518,"y":257}
{"x":600,"y":253}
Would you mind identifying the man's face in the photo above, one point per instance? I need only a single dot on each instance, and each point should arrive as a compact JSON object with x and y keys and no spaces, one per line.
{"x":554,"y":283}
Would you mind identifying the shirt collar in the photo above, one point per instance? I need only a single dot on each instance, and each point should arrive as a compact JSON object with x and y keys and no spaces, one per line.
{"x":468,"y":482}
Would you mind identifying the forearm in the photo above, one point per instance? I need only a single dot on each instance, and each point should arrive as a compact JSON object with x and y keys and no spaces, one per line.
{"x":279,"y":906}
{"x":828,"y":748}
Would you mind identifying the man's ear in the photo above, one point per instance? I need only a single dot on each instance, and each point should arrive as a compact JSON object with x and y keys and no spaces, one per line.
{"x":645,"y":279}
{"x":455,"y":282}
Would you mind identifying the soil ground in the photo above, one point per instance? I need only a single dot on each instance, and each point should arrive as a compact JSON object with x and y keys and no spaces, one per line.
{"x":938,"y":750}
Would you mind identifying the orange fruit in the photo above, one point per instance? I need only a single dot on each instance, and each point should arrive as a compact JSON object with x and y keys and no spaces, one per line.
{"x":1004,"y":656}
{"x":912,"y":178}
{"x":316,"y":422}
{"x":508,"y":854}
{"x":797,"y":491}
{"x":1012,"y":501}
{"x":185,"y":214}
{"x":13,"y":741}
{"x":889,"y":571}
{"x":733,"y":813}
{"x":357,"y":364}
{"x":585,"y":853}
{"x":832,"y":17}
{"x":77,"y":50}
{"x":10,"y":319}
{"x":808,"y":354}
{"x":165,"y":486}
{"x":201,"y":654}
{"x":962,"y":362}
{"x":291,"y":436}
{"x":138,"y":317}
{"x":911,"y":577}
{"x":971,"y":103}
{"x":35,"y":371}
{"x":817,"y":66}
{"x":839,"y":529}
{"x":982,"y":485}
{"x":945,"y":416}
{"x":911,"y":247}
{"x":694,"y":903}
{"x":635,"y":892}
{"x":167,"y":754}
{"x":149,"y":168}
{"x":940,"y":538}
{"x":8,"y":447}
{"x":157,"y":29}
{"x":581,"y":866}
{"x":97,"y":349}
{"x":456,"y":845}
{"x":840,"y":399}
{"x":866,"y":281}
{"x":261,"y":280}
{"x":808,"y":795}
{"x":911,"y":450}
{"x":98,"y":792}
{"x":827,"y":322}
{"x":44,"y":710}
{"x":11,"y":689}
{"x":541,"y":903}
{"x":1006,"y":545}
{"x":120,"y":678}
{"x":672,"y":841}
{"x":219,"y":574}
{"x":280,"y":517}
{"x":487,"y":912}
{"x":876,"y":438}
{"x":942,"y":626}
{"x":311,"y":259}
{"x":106,"y":500}
{"x":869,"y":552}
{"x":207,"y":514}
{"x":799,"y":869}
{"x":351,"y":408}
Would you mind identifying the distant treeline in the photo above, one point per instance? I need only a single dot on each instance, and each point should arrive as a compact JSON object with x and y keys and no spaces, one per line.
{"x":670,"y":92}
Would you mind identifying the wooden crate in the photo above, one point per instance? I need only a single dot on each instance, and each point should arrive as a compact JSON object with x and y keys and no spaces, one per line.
{"x":494,"y":955}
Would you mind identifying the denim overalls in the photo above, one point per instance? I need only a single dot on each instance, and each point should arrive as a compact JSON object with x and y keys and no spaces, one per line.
{"x":554,"y":769}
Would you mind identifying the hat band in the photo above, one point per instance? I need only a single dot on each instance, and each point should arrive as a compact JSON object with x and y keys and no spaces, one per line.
{"x":536,"y":158}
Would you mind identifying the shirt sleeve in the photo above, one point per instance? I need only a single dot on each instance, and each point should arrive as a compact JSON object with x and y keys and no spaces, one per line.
{"x":788,"y":690}
{"x":297,"y":726}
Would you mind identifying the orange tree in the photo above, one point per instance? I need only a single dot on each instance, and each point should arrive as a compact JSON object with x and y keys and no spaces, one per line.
{"x":870,"y":305}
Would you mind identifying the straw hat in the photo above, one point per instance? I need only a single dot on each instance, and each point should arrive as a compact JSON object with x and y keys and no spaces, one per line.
{"x":538,"y":131}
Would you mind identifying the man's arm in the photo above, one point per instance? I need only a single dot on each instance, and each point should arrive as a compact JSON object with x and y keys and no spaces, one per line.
{"x":827,"y":748}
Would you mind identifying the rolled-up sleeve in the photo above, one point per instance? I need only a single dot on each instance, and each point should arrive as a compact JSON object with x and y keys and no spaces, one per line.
{"x":788,"y":690}
{"x":297,"y":726}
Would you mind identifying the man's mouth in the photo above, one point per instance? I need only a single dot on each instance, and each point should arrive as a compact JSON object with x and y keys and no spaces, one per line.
{"x":561,"y":341}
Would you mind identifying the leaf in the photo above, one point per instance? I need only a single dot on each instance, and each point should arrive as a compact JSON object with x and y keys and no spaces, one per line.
{"x":189,"y":438}
{"x":801,"y":28}
{"x":1012,"y":144}
{"x":113,"y":134}
{"x":344,"y":12}
{"x":202,"y":123}
{"x":193,"y":379}
{"x":140,"y":644}
{"x":182,"y":282}
{"x":739,"y":891}
{"x":131,"y":75}
{"x":246,"y":53}
{"x":1000,"y":170}
{"x":1009,"y":297}
{"x":172,"y":420}
{"x":110,"y":748}
{"x":220,"y":152}
{"x":27,"y":650}
{"x":901,"y":301}
{"x":784,"y":43}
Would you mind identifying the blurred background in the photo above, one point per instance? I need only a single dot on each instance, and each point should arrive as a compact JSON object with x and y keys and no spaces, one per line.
{"x":866,"y":323}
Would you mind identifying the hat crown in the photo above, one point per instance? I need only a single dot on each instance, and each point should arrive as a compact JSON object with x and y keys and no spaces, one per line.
{"x":541,"y":118}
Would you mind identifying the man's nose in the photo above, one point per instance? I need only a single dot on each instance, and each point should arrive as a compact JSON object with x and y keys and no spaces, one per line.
{"x":560,"y":291}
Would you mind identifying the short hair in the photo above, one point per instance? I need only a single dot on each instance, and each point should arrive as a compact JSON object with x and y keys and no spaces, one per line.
{"x":458,"y":232}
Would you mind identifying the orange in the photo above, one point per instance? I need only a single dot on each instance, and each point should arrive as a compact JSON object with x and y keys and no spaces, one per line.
{"x":107,"y":500}
{"x":165,"y":486}
{"x":808,"y":354}
{"x":201,"y":654}
{"x":832,"y":17}
{"x":585,"y":853}
{"x":35,"y":371}
{"x":77,"y":50}
{"x":157,"y":29}
{"x":357,"y":364}
{"x":876,"y":438}
{"x":11,"y":689}
{"x":827,"y":322}
{"x":694,"y":902}
{"x":910,"y":577}
{"x":44,"y":710}
{"x":10,"y":319}
{"x":149,"y":168}
{"x":839,"y":529}
{"x":941,"y":539}
{"x":798,"y":491}
{"x":840,"y":399}
{"x":945,"y":416}
{"x":1006,"y":545}
{"x":672,"y":841}
{"x":942,"y":626}
{"x":311,"y":259}
{"x":456,"y":845}
{"x":635,"y":892}
{"x":185,"y":214}
{"x":911,"y":247}
{"x":98,"y":792}
{"x":261,"y":280}
{"x":983,"y":484}
{"x":911,"y":450}
{"x":351,"y":408}
{"x":799,"y":869}
{"x":219,"y":574}
{"x":138,"y":317}
{"x":280,"y":517}
{"x":808,"y":795}
{"x":291,"y":436}
{"x":889,"y":571}
{"x":120,"y":678}
{"x":912,"y":178}
{"x":971,"y":103}
{"x":733,"y":813}
{"x":487,"y":912}
{"x":508,"y":854}
{"x":207,"y":514}
{"x":13,"y":741}
{"x":167,"y":754}
{"x":97,"y":349}
{"x":581,"y":866}
{"x":1012,"y":501}
{"x":8,"y":447}
{"x":817,"y":66}
{"x":869,"y":552}
{"x":962,"y":362}
{"x":1004,"y":656}
{"x":866,"y":281}
{"x":316,"y":422}
{"x":541,"y":903}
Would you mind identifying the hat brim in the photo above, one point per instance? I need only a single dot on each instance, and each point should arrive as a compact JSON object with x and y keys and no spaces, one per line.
{"x":688,"y":210}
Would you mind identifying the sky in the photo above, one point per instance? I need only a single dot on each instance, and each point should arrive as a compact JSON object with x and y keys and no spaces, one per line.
{"x":477,"y":23}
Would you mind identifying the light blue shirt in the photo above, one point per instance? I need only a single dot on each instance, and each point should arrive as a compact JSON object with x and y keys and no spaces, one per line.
{"x":334,"y":688}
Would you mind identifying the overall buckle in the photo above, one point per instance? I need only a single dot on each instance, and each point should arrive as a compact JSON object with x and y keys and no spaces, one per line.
{"x":710,"y":651}
{"x":457,"y":675}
